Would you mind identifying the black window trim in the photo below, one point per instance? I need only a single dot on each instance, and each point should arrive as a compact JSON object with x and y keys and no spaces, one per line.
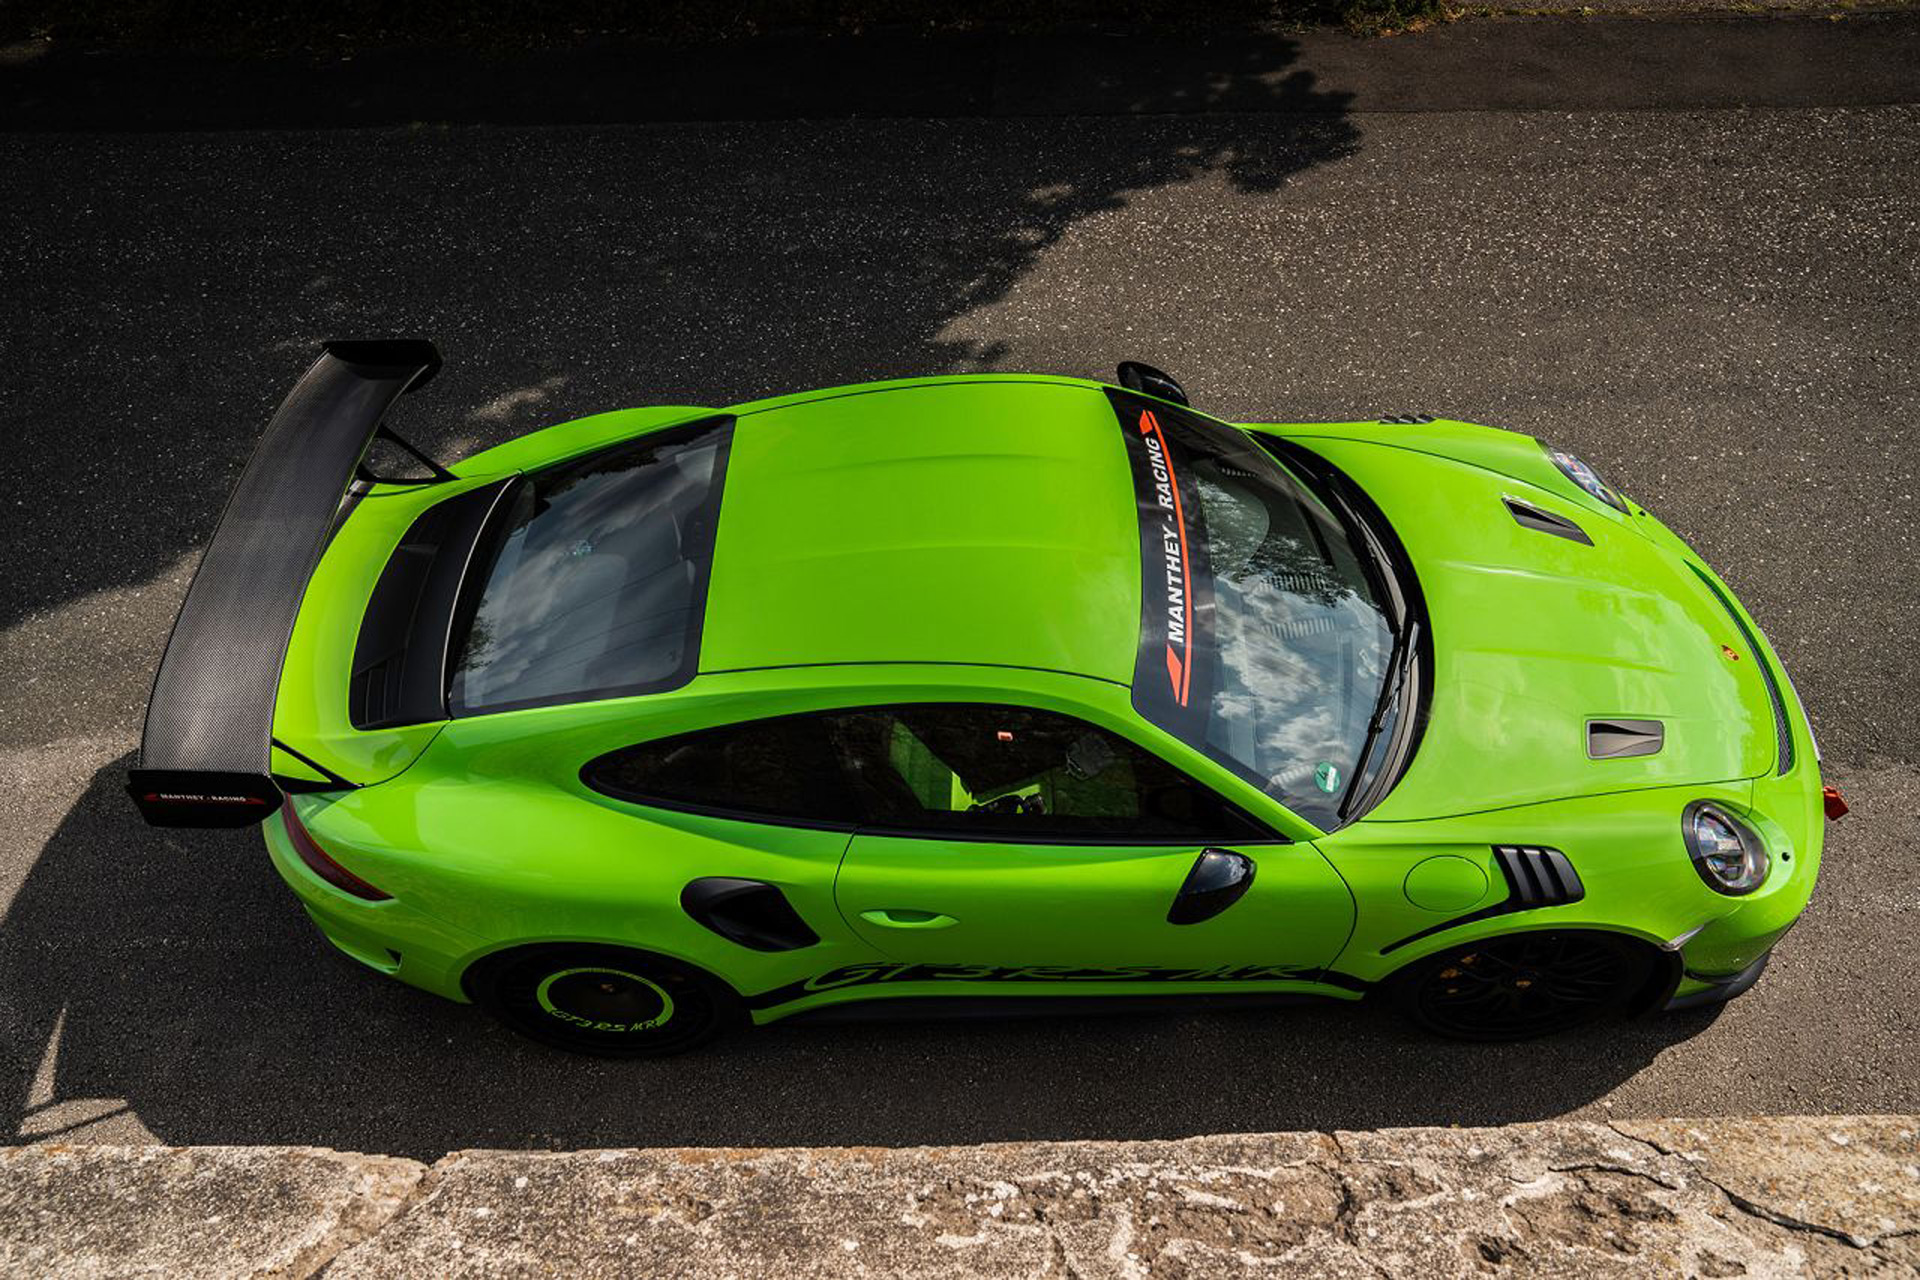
{"x":1259,"y":834}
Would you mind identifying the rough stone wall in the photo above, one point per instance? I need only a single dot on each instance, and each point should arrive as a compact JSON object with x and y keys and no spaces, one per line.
{"x":1723,"y":1197}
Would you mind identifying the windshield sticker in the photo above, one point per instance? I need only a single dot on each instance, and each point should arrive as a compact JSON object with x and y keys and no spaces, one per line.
{"x":1327,"y":777}
{"x":1173,"y":656}
{"x":1178,"y":598}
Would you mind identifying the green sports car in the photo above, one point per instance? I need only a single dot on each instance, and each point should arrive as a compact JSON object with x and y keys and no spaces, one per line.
{"x":984,"y":692}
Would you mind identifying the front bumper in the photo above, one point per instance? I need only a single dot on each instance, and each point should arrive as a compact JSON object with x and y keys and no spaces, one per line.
{"x":1718,"y":990}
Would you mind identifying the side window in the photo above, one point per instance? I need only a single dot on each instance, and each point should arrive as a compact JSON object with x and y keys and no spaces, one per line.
{"x":785,"y":769}
{"x":971,"y":770}
{"x":963,"y":770}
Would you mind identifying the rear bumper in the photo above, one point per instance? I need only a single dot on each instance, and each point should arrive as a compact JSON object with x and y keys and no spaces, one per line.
{"x":411,"y":955}
{"x":1717,"y":990}
{"x":391,"y":936}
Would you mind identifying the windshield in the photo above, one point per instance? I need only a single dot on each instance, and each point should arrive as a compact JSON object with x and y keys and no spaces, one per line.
{"x":1264,"y":640}
{"x":595,"y":576}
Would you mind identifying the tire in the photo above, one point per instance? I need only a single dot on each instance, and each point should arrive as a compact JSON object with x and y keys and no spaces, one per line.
{"x":1520,"y":986}
{"x":606,"y":1001}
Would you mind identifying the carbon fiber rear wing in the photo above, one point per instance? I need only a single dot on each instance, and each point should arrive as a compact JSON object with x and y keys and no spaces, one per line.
{"x":205,"y":756}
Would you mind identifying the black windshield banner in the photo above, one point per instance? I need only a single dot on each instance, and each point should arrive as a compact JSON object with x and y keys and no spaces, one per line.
{"x":1173,"y":669}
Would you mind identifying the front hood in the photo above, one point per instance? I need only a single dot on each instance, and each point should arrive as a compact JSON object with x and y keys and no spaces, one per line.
{"x":1534,"y":635}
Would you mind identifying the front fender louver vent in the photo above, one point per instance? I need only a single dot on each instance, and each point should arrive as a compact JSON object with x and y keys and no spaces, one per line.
{"x":1536,"y":876}
{"x":1532,"y":517}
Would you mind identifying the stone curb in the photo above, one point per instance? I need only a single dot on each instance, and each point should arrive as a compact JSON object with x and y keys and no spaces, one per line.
{"x":1768,"y":1196}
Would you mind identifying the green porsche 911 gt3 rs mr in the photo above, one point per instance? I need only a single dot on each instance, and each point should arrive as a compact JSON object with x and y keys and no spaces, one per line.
{"x":995,"y":689}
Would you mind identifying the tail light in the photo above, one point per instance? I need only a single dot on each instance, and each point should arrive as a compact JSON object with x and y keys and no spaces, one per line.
{"x":322,"y":864}
{"x":1836,"y":807}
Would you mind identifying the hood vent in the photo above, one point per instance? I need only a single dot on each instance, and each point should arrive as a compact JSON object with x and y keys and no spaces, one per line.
{"x":1546,"y":522}
{"x":1616,"y":739}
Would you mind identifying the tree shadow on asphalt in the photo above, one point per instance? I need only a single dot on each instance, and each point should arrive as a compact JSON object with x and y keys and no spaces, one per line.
{"x":165,"y":293}
{"x":183,"y":977}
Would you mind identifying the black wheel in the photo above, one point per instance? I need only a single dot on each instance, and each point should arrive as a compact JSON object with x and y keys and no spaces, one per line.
{"x":1522,"y":985}
{"x":603,"y":1000}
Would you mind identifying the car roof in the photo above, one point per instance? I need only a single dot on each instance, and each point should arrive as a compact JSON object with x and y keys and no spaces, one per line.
{"x":972,"y":520}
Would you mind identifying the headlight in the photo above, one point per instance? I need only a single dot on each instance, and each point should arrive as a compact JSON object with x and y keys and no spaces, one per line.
{"x":1586,"y":477}
{"x":1725,"y":851}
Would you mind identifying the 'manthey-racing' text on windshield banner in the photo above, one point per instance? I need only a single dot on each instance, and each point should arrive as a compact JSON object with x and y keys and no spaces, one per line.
{"x":1173,"y":671}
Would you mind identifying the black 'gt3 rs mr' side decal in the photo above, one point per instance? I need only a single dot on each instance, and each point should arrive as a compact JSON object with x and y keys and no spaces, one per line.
{"x":869,"y":974}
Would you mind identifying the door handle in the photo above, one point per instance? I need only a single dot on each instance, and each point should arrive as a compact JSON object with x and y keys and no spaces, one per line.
{"x":1219,"y":878}
{"x":902,"y":918}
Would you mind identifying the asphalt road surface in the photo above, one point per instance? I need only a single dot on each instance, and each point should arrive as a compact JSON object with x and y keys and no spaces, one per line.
{"x":1719,"y":306}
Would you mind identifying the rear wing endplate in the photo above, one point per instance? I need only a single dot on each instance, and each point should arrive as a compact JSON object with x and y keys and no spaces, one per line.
{"x":205,"y":753}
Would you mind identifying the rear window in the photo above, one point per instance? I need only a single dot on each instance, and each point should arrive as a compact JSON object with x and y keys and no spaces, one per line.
{"x":592,"y":582}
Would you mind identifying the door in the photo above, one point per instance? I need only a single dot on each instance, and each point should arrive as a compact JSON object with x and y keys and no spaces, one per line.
{"x":1015,"y":838}
{"x":1017,"y":905}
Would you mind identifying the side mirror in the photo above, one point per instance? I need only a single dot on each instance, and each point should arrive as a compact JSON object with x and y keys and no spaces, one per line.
{"x":1148,"y":380}
{"x":1219,"y":878}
